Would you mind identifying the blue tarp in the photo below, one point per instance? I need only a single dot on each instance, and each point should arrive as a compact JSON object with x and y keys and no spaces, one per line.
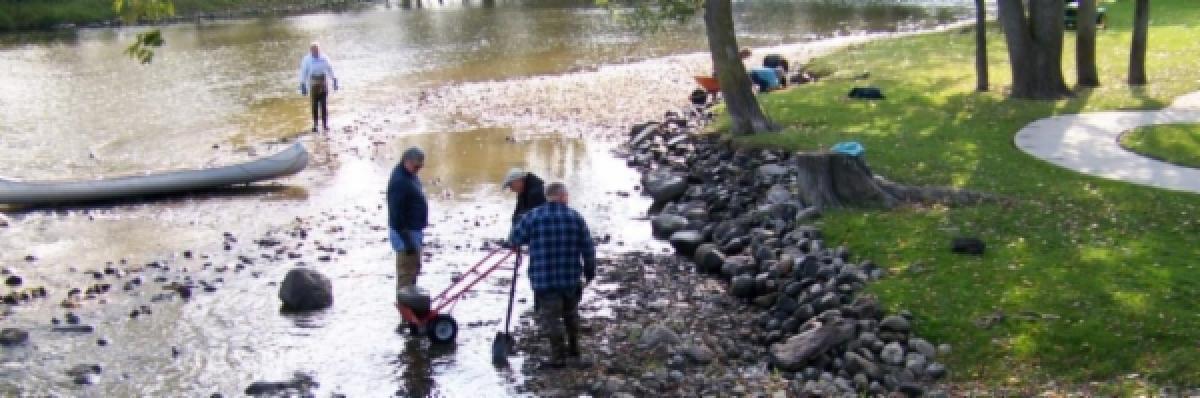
{"x":852,"y":148}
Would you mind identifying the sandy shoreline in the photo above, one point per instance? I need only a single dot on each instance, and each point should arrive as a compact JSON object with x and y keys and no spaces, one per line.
{"x":591,"y":103}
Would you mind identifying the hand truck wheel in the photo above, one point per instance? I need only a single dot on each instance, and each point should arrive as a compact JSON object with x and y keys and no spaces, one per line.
{"x":443,"y":329}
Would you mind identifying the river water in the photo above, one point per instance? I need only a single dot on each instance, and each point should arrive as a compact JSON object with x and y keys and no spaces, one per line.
{"x":482,"y":87}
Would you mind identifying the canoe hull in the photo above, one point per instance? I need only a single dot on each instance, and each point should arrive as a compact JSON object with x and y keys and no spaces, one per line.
{"x":287,"y":162}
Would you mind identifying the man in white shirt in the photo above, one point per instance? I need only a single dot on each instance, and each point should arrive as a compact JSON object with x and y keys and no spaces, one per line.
{"x":316,"y":74}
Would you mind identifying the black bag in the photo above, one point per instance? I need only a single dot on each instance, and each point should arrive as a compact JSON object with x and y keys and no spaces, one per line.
{"x":866,"y":93}
{"x":968,"y":245}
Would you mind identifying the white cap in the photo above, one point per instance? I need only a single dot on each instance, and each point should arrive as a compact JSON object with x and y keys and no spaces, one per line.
{"x":514,"y":174}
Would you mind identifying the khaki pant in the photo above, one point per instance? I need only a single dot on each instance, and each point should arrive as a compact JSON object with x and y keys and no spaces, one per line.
{"x":407,"y":268}
{"x":558,"y":312}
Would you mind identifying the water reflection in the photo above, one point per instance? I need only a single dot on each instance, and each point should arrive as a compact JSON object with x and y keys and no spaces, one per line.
{"x":465,"y":160}
{"x":416,"y":367}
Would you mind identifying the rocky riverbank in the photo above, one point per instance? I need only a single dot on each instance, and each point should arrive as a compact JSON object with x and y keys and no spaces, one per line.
{"x":754,"y":301}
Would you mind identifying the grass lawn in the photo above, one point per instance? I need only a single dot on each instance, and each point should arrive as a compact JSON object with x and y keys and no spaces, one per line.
{"x":1175,"y":143}
{"x":1113,"y":268}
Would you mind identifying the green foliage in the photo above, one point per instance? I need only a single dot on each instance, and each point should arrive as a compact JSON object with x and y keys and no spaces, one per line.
{"x":133,"y":11}
{"x":20,"y":15}
{"x":1175,"y":143}
{"x":1098,"y":278}
{"x":143,"y":45}
{"x":651,"y":15}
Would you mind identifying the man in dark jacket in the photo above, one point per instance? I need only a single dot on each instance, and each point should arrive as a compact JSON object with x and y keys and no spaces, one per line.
{"x":408,"y":215}
{"x":562,"y":260}
{"x":528,"y":187}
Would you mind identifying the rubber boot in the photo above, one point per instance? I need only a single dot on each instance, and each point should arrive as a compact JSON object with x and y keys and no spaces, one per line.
{"x":573,"y":343}
{"x":558,"y":355}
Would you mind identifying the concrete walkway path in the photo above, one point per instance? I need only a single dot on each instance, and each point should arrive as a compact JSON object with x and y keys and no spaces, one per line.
{"x":1087,"y":143}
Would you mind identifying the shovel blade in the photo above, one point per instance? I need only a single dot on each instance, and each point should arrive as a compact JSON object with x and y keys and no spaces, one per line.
{"x":502,"y":348}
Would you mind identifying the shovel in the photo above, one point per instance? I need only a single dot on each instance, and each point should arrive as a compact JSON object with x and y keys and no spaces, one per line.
{"x":502,"y":345}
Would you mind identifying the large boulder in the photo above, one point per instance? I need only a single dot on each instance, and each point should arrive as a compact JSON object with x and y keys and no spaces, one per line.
{"x":744,"y":286}
{"x":664,"y":187}
{"x":663,"y":225}
{"x":656,"y":335}
{"x":923,"y":346}
{"x":772,"y":170}
{"x":300,"y":385}
{"x":305,"y":289}
{"x":686,"y":242}
{"x":895,"y":323}
{"x":644,"y":132}
{"x":708,"y":258}
{"x":83,"y":374}
{"x":936,"y":371}
{"x":695,"y":214}
{"x":699,"y":353}
{"x":738,"y":265}
{"x":735,"y":245}
{"x":795,"y":353}
{"x":782,"y":212}
{"x":12,"y":336}
{"x":855,"y":363}
{"x":808,"y":214}
{"x":892,"y":354}
{"x":805,"y":266}
{"x":778,"y":194}
{"x":865,"y":307}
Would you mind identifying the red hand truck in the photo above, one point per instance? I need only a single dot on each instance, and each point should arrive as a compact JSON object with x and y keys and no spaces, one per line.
{"x":437,"y":322}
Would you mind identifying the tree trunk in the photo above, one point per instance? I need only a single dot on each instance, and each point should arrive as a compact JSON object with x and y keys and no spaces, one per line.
{"x":981,"y":62}
{"x":1137,"y":52}
{"x":1035,"y":43}
{"x":1085,"y":44}
{"x":746,"y":115}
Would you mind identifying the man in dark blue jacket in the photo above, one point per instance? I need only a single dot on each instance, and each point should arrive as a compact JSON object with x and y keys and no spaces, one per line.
{"x":529,"y":190}
{"x":562,"y":259}
{"x":408,"y":215}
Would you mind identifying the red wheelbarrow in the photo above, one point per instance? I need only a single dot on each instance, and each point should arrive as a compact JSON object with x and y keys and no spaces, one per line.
{"x":709,"y":84}
{"x":424,"y":316}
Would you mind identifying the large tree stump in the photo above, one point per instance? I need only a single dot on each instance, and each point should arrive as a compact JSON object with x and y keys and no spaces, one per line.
{"x":830,"y":180}
{"x":838,"y":180}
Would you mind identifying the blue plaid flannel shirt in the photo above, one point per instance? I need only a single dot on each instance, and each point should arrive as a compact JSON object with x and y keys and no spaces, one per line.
{"x":559,"y":241}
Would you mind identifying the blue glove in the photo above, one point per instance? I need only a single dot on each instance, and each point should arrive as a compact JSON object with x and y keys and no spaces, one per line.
{"x":303,"y":89}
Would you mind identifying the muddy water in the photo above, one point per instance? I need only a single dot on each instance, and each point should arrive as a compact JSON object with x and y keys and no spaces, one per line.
{"x":546,"y":90}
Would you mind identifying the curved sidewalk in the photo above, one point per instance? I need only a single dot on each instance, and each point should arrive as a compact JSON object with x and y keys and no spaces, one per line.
{"x":1088,"y":143}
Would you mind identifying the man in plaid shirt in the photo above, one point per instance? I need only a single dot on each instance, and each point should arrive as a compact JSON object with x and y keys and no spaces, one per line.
{"x":561,"y":251}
